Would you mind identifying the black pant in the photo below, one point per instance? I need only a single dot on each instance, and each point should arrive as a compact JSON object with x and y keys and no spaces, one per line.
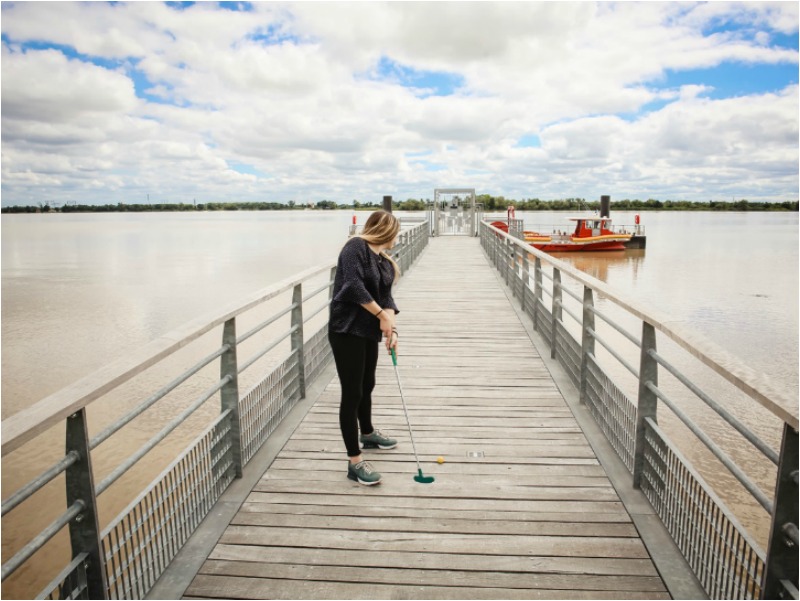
{"x":356,"y":359}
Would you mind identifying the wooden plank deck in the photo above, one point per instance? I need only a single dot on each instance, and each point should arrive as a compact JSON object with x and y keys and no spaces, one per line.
{"x":521,"y":507}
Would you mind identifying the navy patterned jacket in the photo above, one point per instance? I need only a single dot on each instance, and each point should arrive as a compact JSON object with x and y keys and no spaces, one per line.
{"x":361,"y":277}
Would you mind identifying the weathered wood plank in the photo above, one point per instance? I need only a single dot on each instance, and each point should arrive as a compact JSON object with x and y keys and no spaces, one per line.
{"x":424,"y":512}
{"x":426,"y":542}
{"x":232,"y":587}
{"x":436,"y":449}
{"x":430,"y":458}
{"x":449,"y":526}
{"x":303,"y":473}
{"x":455,"y":466}
{"x":425,"y":577}
{"x":350,"y":496}
{"x":405,"y":485}
{"x":589,"y":566}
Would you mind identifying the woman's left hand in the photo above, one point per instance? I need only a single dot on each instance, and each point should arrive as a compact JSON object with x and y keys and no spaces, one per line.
{"x":391,"y":343}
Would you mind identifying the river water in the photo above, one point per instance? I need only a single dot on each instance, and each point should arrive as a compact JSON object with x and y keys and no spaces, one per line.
{"x":80,"y":291}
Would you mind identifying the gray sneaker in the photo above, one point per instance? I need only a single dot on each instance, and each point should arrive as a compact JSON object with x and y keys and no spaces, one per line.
{"x":376,"y":440}
{"x":363,"y":473}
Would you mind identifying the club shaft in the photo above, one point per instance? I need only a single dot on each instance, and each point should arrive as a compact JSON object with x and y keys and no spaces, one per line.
{"x":408,"y":421}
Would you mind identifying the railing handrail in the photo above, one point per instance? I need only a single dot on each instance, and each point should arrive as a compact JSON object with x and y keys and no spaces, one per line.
{"x":53,"y":409}
{"x":722,"y":362}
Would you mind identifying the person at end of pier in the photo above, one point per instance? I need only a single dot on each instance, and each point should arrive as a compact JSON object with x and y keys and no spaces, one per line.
{"x":362,"y":312}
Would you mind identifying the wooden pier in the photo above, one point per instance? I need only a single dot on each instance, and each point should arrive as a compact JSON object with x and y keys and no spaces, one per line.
{"x":521,"y":507}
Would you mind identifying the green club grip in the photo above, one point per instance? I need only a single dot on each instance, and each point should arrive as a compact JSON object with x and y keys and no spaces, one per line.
{"x":394,"y":357}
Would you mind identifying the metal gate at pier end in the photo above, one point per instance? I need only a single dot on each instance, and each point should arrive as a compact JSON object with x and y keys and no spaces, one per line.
{"x":455,"y":212}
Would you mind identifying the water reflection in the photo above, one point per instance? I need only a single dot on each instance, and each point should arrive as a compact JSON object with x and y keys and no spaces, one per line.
{"x":598,"y":264}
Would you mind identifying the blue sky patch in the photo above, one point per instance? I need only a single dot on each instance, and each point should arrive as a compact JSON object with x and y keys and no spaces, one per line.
{"x":430,"y":83}
{"x":143,"y":87}
{"x":180,"y":5}
{"x":734,"y":79}
{"x":783,"y":40}
{"x":237,"y":6}
{"x":273,"y":35}
{"x":240,"y":167}
{"x":529,"y":141}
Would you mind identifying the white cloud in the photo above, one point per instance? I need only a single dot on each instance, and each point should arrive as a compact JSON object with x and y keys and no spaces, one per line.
{"x":45,"y":85}
{"x":294,"y":92}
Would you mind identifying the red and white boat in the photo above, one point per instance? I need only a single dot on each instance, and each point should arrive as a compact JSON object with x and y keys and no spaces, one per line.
{"x":589,"y":234}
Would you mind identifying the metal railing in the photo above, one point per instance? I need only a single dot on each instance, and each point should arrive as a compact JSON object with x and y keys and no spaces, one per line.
{"x":724,"y":556}
{"x":124,"y":558}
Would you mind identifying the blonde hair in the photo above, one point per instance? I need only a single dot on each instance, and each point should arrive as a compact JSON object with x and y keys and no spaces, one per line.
{"x":381,"y":228}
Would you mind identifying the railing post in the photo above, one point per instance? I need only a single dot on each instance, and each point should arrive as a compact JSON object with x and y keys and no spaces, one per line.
{"x":515,"y":266}
{"x":331,"y":279}
{"x":297,"y":337}
{"x":526,"y":278}
{"x":398,"y":254}
{"x":648,"y":401}
{"x":556,"y":310}
{"x":587,"y":339}
{"x":500,"y":245}
{"x":84,"y":529}
{"x":782,"y":556}
{"x":229,"y":394}
{"x":537,"y":291}
{"x":506,"y":256}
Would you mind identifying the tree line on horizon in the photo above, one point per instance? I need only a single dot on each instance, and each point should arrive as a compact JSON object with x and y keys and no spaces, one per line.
{"x":489,"y":202}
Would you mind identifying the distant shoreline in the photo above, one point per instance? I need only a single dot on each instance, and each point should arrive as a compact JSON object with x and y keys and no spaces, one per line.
{"x":490,"y":204}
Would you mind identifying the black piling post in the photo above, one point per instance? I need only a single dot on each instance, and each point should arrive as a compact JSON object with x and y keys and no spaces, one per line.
{"x":605,"y":206}
{"x":387,"y":204}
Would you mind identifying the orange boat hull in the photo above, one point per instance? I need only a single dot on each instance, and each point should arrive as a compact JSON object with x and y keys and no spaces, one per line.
{"x":578,"y":246}
{"x":575,"y":243}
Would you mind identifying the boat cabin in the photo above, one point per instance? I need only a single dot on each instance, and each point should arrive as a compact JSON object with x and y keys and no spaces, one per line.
{"x":587,"y":227}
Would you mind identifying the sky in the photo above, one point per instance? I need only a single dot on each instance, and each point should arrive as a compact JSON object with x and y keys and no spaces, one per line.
{"x":140,"y":102}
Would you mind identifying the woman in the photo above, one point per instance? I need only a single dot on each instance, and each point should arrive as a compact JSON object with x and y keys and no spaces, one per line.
{"x":362,"y":311}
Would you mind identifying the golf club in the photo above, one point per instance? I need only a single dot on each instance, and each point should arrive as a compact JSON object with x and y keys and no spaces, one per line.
{"x":419,"y":477}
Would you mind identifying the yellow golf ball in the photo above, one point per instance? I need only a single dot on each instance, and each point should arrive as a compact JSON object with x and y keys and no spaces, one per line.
{"x":440,"y":460}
